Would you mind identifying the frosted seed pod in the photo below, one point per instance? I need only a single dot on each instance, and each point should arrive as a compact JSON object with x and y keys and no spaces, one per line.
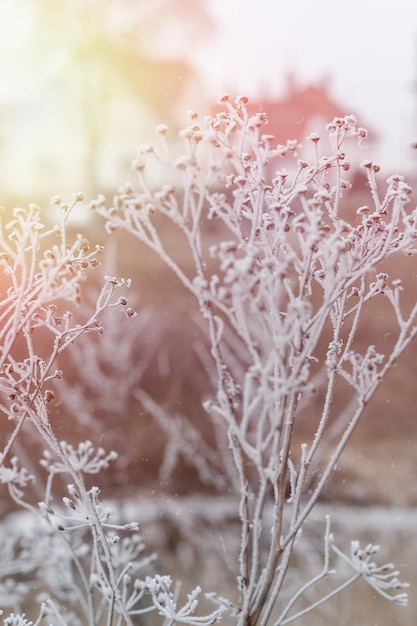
{"x":161,"y":129}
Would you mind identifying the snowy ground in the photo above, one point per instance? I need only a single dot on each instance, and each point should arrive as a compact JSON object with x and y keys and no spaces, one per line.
{"x":197,"y":540}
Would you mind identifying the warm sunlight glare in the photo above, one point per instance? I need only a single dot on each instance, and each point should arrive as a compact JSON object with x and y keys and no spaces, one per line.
{"x":78,"y":93}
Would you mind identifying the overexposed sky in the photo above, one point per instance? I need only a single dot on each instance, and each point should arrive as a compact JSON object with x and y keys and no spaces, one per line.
{"x":367,"y":47}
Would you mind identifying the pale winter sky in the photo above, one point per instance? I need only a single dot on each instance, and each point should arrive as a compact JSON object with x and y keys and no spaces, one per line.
{"x":367,"y":47}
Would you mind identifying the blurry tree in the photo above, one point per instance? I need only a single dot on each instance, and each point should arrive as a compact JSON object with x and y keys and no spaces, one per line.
{"x":92,"y":60}
{"x":113,"y":51}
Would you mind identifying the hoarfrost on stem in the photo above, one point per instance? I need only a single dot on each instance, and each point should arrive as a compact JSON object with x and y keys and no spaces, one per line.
{"x":282,"y":275}
{"x":282,"y":292}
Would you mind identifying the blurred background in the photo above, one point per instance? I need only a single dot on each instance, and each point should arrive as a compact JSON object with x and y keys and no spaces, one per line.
{"x":84,"y":82}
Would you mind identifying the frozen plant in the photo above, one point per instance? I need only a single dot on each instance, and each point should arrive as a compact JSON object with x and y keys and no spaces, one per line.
{"x":70,"y":556}
{"x":281,"y":283}
{"x":70,"y":553}
{"x":383,"y":578}
{"x":282,"y":271}
{"x":41,"y":272}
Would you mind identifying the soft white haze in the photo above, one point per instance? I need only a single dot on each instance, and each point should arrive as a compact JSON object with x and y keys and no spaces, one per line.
{"x":51,"y":81}
{"x":368,"y":48}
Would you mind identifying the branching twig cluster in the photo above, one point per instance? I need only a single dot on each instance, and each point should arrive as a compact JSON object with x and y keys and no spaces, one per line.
{"x":282,"y":275}
{"x":282,"y":293}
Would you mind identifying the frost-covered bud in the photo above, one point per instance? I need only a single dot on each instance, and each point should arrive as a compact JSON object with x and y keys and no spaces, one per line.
{"x":146,"y":148}
{"x":48,"y":395}
{"x":182,"y":162}
{"x":161,"y":129}
{"x":138,"y":165}
{"x":370,"y":165}
{"x":112,"y":280}
{"x":315,"y":137}
{"x":186,"y":133}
